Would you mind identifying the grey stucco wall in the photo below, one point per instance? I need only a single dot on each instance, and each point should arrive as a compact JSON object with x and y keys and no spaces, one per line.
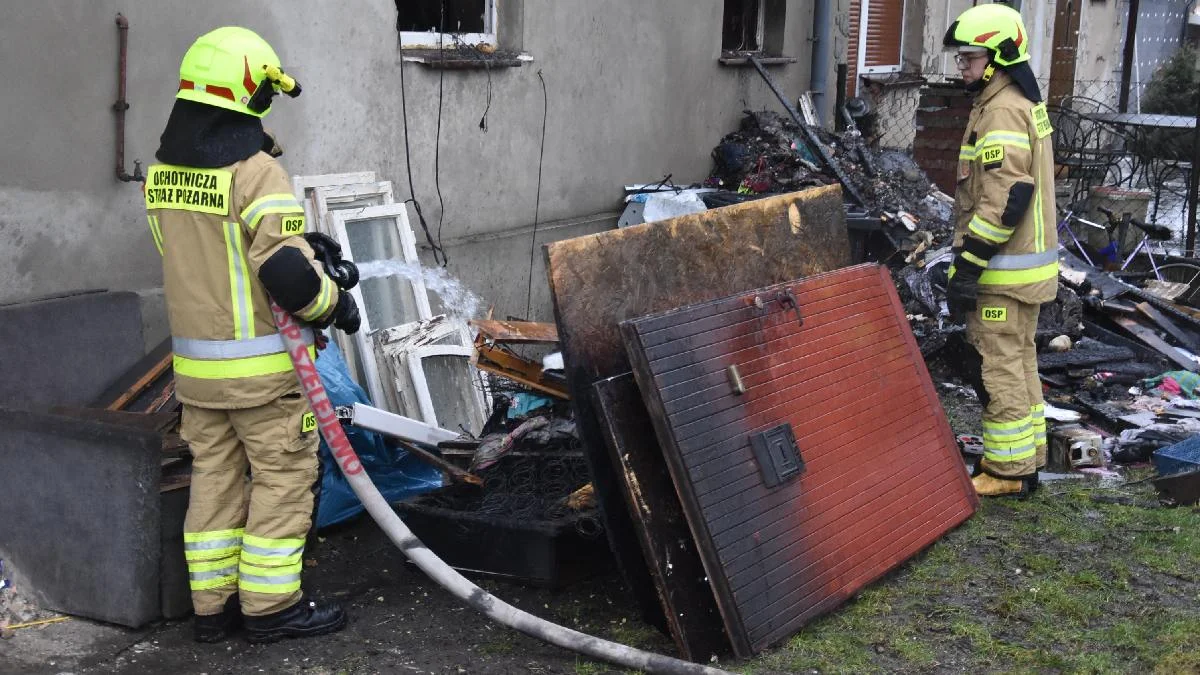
{"x":634,"y":92}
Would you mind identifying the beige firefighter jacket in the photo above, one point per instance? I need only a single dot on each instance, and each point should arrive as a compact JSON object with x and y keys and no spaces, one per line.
{"x":215,"y":228}
{"x":1008,"y":141}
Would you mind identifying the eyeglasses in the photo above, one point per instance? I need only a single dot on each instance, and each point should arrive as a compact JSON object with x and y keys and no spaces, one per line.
{"x":964,"y":60}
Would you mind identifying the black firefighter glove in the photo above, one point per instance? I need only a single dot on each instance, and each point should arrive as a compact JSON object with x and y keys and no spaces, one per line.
{"x":345,"y":314}
{"x":328,"y":252}
{"x":962,"y":291}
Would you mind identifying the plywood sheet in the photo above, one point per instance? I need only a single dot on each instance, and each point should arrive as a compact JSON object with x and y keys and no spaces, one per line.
{"x":687,"y":600}
{"x":599,"y":280}
{"x":831,"y":360}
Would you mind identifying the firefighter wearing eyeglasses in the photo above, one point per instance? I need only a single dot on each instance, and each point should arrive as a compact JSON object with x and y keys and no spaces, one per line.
{"x":1005,"y":244}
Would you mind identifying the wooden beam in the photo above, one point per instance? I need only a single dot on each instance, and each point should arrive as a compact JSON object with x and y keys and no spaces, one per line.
{"x":492,"y":359}
{"x":1186,"y":340}
{"x":1152,"y":339}
{"x":516,"y":331}
{"x":137,"y":379}
{"x":456,"y":474}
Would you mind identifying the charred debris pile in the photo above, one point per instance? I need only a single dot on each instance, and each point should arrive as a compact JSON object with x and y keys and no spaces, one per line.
{"x":1117,"y":350}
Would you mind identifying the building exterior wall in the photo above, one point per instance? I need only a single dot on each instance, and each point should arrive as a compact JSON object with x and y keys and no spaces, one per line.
{"x":1101,"y":36}
{"x":634,"y":92}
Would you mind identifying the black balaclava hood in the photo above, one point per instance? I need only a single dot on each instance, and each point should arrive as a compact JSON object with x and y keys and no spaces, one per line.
{"x":1023,"y":75}
{"x":208,"y":137}
{"x":1020,"y":73}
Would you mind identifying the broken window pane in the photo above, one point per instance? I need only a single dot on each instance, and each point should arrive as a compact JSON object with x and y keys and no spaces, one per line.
{"x":425,"y":16}
{"x":740,"y":26}
{"x":451,"y":388}
{"x":389,"y":300}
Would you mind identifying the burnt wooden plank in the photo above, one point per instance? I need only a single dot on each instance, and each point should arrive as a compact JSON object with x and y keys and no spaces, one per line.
{"x":1185,"y":338}
{"x":815,"y":442}
{"x":836,"y":517}
{"x":715,"y":382}
{"x":674,"y":563}
{"x":712,"y":358}
{"x":726,"y":322}
{"x":892,"y":553}
{"x":724,"y":426}
{"x":599,"y":280}
{"x":883,"y":474}
{"x":821,"y":565}
{"x":743,"y":508}
{"x":516,"y":332}
{"x":806,"y":369}
{"x":666,"y":318}
{"x":708,"y":465}
{"x":1151,"y":338}
{"x":749,"y":310}
{"x":716,"y":342}
{"x":140,"y":385}
{"x":739,"y":511}
{"x":830,"y":462}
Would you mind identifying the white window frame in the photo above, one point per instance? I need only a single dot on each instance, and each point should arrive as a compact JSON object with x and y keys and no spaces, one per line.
{"x":324,"y":200}
{"x":864,"y":11}
{"x":329,"y":198}
{"x":339,"y":221}
{"x":398,"y":347}
{"x":416,"y":371}
{"x":434,"y":40}
{"x":304,"y":186}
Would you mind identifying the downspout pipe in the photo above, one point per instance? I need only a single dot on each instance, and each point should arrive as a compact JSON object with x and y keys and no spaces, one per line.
{"x":122,"y":105}
{"x":822,"y":52}
{"x":441,"y":573}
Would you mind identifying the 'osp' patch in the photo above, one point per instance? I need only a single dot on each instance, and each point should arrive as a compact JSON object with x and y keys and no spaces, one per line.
{"x":995,"y":314}
{"x":293,"y":225}
{"x":308,"y":422}
{"x":991,"y":156}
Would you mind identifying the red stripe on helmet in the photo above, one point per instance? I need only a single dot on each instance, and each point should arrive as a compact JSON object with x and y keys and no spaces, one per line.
{"x":1020,"y":36}
{"x":186,"y":84}
{"x":985,"y":37}
{"x":223,"y":92}
{"x":248,"y":79}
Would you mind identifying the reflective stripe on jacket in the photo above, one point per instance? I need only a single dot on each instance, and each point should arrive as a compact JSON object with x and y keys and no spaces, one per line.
{"x":215,"y":228}
{"x":1008,"y":141}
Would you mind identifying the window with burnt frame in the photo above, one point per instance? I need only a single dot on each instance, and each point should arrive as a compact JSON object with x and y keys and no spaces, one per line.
{"x":445,"y":23}
{"x":753,"y":26}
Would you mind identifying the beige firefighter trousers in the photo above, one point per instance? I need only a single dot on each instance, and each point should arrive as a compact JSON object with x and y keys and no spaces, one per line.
{"x":1014,"y":420}
{"x":244,"y":535}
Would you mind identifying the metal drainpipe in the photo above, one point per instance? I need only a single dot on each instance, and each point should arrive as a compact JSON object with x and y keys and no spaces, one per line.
{"x":822,"y":46}
{"x":122,"y":105}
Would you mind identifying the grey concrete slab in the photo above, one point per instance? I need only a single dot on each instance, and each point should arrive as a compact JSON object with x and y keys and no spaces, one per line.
{"x":66,"y":351}
{"x":80,"y":514}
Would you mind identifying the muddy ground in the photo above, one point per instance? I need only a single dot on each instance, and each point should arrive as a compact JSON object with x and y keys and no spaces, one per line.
{"x":1085,"y":577}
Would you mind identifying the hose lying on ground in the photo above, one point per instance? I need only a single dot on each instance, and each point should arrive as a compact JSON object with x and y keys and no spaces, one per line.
{"x":441,"y":573}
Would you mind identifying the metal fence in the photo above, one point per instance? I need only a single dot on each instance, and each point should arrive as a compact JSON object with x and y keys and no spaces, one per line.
{"x":1126,"y":162}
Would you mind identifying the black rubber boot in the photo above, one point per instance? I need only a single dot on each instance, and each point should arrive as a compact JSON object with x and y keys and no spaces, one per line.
{"x":217,"y":627}
{"x":303,"y":619}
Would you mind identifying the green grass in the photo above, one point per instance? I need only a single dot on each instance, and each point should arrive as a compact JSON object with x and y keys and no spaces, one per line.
{"x":1058,"y":583}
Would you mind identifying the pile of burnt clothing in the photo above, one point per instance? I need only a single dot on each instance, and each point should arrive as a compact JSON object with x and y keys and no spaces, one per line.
{"x":767,"y":154}
{"x":771,"y":154}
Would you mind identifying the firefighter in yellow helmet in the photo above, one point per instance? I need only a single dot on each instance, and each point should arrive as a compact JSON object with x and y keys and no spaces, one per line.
{"x":223,"y":216}
{"x":1006,"y":247}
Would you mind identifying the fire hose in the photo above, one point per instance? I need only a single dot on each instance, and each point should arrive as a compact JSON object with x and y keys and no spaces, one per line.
{"x":437,"y":570}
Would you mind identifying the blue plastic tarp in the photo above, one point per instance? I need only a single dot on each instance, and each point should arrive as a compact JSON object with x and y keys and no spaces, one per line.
{"x":398,"y":475}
